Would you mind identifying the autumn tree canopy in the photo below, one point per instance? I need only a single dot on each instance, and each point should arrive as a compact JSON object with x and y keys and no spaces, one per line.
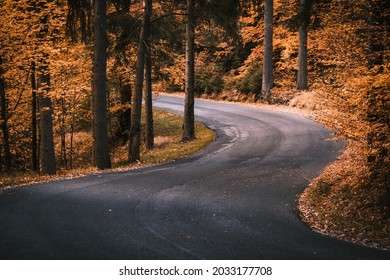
{"x":337,"y":50}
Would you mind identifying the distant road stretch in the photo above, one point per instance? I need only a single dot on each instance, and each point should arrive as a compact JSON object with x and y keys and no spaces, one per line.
{"x":235,"y":199}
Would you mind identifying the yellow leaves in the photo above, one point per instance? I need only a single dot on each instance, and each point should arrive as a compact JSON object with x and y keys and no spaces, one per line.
{"x":343,"y":202}
{"x":119,"y":107}
{"x":175,"y":74}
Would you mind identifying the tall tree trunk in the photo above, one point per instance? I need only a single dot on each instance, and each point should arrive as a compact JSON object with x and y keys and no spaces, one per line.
{"x":125,"y":115}
{"x":4,"y":122}
{"x":46,"y":141}
{"x":124,"y":82}
{"x":48,"y":161}
{"x":62,"y":120}
{"x":302,"y":46}
{"x":149,"y":136}
{"x":101,"y":154}
{"x":268,"y":46}
{"x":135,"y":131}
{"x":34,"y":136}
{"x":189,"y":102}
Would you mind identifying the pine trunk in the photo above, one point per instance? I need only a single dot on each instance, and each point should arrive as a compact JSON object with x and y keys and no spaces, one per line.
{"x":4,"y":122}
{"x":34,"y":132}
{"x":48,"y":161}
{"x":135,"y":131}
{"x":268,"y":46}
{"x":149,"y":136}
{"x":100,"y":124}
{"x":46,"y":141}
{"x":302,"y":46}
{"x":189,"y":102}
{"x":125,"y":115}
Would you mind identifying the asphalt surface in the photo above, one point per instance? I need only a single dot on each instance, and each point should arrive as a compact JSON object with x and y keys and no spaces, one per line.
{"x":235,"y":199}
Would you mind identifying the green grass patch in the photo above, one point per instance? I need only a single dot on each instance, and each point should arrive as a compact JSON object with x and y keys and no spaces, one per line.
{"x":168,"y":141}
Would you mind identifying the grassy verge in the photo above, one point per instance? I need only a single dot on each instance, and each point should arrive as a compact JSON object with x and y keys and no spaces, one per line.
{"x":168,"y":146}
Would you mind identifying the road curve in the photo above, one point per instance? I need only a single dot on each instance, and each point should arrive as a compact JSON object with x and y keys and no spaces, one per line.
{"x":235,"y":199}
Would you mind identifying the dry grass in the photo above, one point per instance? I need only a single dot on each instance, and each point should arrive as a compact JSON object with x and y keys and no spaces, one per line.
{"x":168,"y":144}
{"x":308,"y":100}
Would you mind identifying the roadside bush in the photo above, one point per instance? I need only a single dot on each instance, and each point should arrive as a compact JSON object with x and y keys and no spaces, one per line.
{"x":251,"y":81}
{"x":208,"y":79}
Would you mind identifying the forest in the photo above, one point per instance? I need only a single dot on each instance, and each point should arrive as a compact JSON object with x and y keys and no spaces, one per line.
{"x":74,"y":73}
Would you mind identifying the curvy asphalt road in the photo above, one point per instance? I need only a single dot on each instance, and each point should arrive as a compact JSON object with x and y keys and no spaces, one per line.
{"x":235,"y":199}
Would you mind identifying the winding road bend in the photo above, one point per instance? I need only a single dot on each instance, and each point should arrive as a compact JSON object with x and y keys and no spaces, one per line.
{"x":235,"y":199}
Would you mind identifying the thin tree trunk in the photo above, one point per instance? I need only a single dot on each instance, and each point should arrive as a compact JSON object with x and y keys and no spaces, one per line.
{"x":72,"y":128}
{"x":267,"y":81}
{"x":189,"y":102}
{"x":124,"y":81}
{"x":48,"y":161}
{"x":135,"y":131}
{"x":64,"y":159}
{"x":302,"y":46}
{"x":149,"y":136}
{"x":46,"y":141}
{"x":71,"y":144}
{"x":34,"y":132}
{"x":125,"y":115}
{"x":4,"y":122}
{"x":100,"y":124}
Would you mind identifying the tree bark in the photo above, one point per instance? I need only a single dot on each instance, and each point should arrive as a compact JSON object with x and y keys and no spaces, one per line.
{"x":267,"y":81}
{"x":48,"y":161}
{"x":135,"y":131}
{"x":302,"y":46}
{"x":4,"y":122}
{"x":125,"y":115}
{"x":47,"y":153}
{"x":189,"y":102}
{"x":149,"y":136}
{"x":34,"y":133}
{"x":100,"y":124}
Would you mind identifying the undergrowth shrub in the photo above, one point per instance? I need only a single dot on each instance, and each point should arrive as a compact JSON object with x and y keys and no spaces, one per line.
{"x":251,"y":81}
{"x":209,"y":79}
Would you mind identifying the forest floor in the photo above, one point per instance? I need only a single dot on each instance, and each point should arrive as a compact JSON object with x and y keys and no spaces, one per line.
{"x":341,"y":202}
{"x":168,"y":146}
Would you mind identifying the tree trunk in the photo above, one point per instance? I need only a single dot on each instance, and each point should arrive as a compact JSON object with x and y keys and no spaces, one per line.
{"x":100,"y":125}
{"x":63,"y":158}
{"x":125,"y":90}
{"x":149,"y":137}
{"x":267,"y":81}
{"x":4,"y":122}
{"x":135,"y":131}
{"x":34,"y":136}
{"x":125,"y":115}
{"x":46,"y":141}
{"x":189,"y":102}
{"x":48,"y":161}
{"x":302,"y":46}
